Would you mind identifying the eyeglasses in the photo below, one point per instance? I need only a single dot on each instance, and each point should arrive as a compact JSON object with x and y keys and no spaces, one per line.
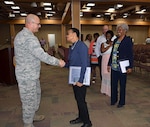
{"x":37,"y":23}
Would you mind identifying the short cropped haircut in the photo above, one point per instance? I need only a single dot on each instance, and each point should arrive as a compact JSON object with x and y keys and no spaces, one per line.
{"x":76,"y":31}
{"x":110,"y":32}
{"x":123,"y":26}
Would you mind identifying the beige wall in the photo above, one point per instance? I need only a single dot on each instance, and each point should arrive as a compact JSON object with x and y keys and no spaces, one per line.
{"x":50,"y":29}
{"x":18,"y":28}
{"x":86,"y":29}
{"x":138,"y":33}
{"x":44,"y":31}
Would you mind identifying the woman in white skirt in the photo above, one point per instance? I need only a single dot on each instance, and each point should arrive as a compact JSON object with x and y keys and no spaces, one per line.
{"x":106,"y":48}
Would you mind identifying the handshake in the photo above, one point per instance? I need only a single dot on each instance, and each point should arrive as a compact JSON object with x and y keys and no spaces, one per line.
{"x":61,"y":63}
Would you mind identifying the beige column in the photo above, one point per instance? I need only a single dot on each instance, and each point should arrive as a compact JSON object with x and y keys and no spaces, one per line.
{"x":12,"y":34}
{"x":110,"y":27}
{"x":63,"y":35}
{"x":148,"y":32}
{"x":75,"y":13}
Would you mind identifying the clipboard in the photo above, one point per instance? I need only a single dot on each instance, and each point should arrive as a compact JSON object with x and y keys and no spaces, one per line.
{"x":74,"y":75}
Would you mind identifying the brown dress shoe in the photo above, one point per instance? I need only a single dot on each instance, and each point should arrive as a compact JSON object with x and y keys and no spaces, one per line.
{"x":38,"y":118}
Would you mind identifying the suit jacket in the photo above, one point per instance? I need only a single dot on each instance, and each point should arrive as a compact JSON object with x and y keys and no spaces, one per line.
{"x":125,"y":51}
{"x":78,"y":56}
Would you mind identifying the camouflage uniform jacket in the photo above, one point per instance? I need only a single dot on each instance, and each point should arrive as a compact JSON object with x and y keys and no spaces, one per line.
{"x":29,"y":54}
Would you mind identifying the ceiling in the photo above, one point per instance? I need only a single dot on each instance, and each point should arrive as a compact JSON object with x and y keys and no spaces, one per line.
{"x":130,"y":7}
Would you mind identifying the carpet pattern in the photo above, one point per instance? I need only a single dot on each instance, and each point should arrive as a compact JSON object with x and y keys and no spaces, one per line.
{"x":59,"y":106}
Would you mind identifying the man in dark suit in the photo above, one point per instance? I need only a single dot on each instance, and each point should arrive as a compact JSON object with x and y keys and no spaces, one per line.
{"x":78,"y":56}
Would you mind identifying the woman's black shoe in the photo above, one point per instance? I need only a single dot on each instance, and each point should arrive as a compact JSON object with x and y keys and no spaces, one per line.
{"x":119,"y":106}
{"x":76,"y":121}
{"x":113,"y":103}
{"x":87,"y":125}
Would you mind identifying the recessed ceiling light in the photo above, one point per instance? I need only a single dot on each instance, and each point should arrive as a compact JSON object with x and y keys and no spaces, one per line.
{"x":38,"y":13}
{"x":47,"y":8}
{"x":23,"y":14}
{"x":119,"y":5}
{"x":111,"y":9}
{"x":33,"y":4}
{"x":9,"y":2}
{"x":53,"y":12}
{"x":141,"y":12}
{"x":125,"y":16}
{"x":90,"y":4}
{"x":98,"y":16}
{"x":49,"y":15}
{"x":107,"y":13}
{"x":15,"y":7}
{"x":47,"y":4}
{"x":16,"y":11}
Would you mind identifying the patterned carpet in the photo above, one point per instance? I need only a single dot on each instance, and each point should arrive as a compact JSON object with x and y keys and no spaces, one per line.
{"x":59,"y":106}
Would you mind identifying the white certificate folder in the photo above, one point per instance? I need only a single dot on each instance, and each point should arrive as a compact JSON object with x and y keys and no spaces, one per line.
{"x":123,"y":64}
{"x":74,"y":75}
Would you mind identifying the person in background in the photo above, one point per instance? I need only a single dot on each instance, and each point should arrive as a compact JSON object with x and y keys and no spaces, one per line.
{"x":106,"y":48}
{"x":51,"y":51}
{"x":93,"y":57}
{"x":43,"y":43}
{"x":28,"y":57}
{"x":88,"y":39}
{"x":122,"y":50}
{"x":100,"y":40}
{"x":147,"y":40}
{"x":78,"y":56}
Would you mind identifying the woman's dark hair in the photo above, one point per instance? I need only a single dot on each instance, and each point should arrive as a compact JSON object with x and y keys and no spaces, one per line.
{"x":96,"y":34}
{"x":87,"y":36}
{"x":110,"y":32}
{"x":76,"y":31}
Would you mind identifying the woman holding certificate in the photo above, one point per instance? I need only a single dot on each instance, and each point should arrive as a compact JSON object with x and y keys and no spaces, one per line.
{"x":78,"y":57}
{"x":122,"y":52}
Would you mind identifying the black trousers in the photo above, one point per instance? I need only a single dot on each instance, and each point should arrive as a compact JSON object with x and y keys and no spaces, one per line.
{"x":99,"y":63}
{"x":117,"y":76}
{"x":80,"y":94}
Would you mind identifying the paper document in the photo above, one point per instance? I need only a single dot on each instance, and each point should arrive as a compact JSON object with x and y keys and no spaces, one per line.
{"x":74,"y":75}
{"x":123,"y":64}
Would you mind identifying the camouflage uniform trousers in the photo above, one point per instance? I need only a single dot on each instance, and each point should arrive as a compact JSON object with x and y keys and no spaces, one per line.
{"x":30,"y":94}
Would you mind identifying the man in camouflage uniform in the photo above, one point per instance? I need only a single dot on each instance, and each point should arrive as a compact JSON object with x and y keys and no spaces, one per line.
{"x":28,"y":56}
